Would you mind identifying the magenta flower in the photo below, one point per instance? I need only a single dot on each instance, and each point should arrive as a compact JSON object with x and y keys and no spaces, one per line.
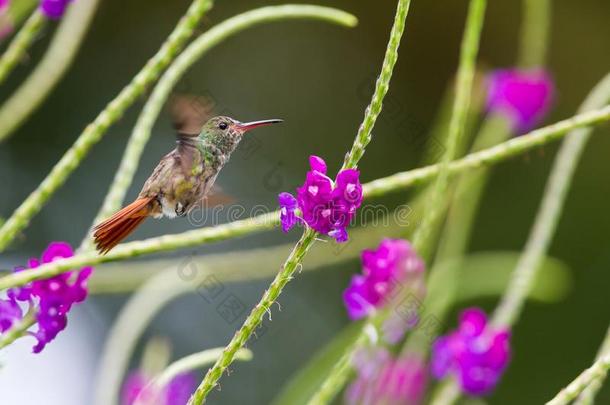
{"x":326,"y":206}
{"x":4,"y":4}
{"x":393,"y":263}
{"x":522,"y":96}
{"x":476,"y":353}
{"x":54,"y":9}
{"x":53,"y":298}
{"x":384,"y":380}
{"x":176,"y":392}
{"x":10,"y":313}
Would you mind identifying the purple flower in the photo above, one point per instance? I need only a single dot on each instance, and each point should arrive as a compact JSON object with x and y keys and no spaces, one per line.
{"x":384,"y":380}
{"x":394,"y":262}
{"x":325,"y":205}
{"x":522,"y":96}
{"x":176,"y":392}
{"x":476,"y":353}
{"x":53,"y":297}
{"x":10,"y":312}
{"x":4,"y":4}
{"x":54,"y":9}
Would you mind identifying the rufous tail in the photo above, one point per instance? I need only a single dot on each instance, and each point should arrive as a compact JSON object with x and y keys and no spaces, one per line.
{"x":116,"y":228}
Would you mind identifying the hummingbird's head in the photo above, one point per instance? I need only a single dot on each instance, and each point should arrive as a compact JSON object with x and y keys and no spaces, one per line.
{"x":226,"y":132}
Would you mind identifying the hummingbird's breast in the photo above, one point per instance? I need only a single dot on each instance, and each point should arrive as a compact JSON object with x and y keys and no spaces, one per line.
{"x":181,"y":180}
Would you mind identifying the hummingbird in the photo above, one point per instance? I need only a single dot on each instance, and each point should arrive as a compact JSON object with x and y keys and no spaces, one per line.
{"x":181,"y":180}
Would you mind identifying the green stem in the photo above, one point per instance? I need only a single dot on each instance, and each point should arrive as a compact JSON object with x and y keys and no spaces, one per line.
{"x":339,"y":374}
{"x":534,"y":33}
{"x":549,"y":212}
{"x":300,"y":250}
{"x":268,"y":221}
{"x":18,"y":330}
{"x":198,"y":48}
{"x":597,"y":371}
{"x":94,"y":131}
{"x":255,"y":317}
{"x":21,"y":43}
{"x":53,"y":66}
{"x":587,"y":397}
{"x":191,"y":362}
{"x":422,"y":240}
{"x":364,"y":135}
{"x":547,"y":218}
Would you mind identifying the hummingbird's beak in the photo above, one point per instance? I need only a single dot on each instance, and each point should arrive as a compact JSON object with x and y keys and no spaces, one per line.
{"x":246,"y":126}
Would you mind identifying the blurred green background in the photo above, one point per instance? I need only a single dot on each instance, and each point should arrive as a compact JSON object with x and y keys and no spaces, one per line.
{"x":315,"y":77}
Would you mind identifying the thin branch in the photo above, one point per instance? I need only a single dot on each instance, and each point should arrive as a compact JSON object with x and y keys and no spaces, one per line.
{"x":295,"y":258}
{"x":270,"y":220}
{"x":338,"y":375}
{"x":422,"y":240}
{"x":51,"y":69}
{"x":94,"y":131}
{"x":19,"y":46}
{"x":194,"y":52}
{"x":598,"y":370}
{"x":587,"y":397}
{"x":549,"y":212}
{"x":188,"y":363}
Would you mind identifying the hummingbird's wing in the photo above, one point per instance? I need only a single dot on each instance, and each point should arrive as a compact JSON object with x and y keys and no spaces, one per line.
{"x":165,"y":174}
{"x":189,"y":113}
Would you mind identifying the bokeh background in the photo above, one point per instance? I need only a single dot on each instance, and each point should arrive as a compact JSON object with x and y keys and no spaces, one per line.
{"x":312,"y":75}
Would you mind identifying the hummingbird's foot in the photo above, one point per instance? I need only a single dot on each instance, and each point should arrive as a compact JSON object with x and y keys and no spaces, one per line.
{"x":180,"y":210}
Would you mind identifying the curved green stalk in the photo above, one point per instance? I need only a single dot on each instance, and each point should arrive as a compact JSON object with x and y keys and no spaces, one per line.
{"x":364,"y":135}
{"x":421,"y":240}
{"x":122,"y":338}
{"x":587,"y":397}
{"x":379,"y":187}
{"x":546,"y":221}
{"x":465,"y":76}
{"x":191,"y":362}
{"x":295,"y":258}
{"x":194,"y":52}
{"x":597,"y":371}
{"x":21,"y":43}
{"x":177,"y":279}
{"x":255,"y":317}
{"x":94,"y":131}
{"x":549,"y":212}
{"x":53,"y":66}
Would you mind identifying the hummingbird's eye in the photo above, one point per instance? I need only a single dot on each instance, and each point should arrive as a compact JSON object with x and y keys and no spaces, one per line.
{"x":222,"y":125}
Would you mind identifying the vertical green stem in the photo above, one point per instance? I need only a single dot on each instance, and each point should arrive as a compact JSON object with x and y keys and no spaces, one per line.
{"x":294,"y":260}
{"x":534,"y":33}
{"x":255,"y":317}
{"x":465,"y":75}
{"x":53,"y":66}
{"x":549,"y":212}
{"x":94,"y":131}
{"x":21,"y":43}
{"x":381,"y":88}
